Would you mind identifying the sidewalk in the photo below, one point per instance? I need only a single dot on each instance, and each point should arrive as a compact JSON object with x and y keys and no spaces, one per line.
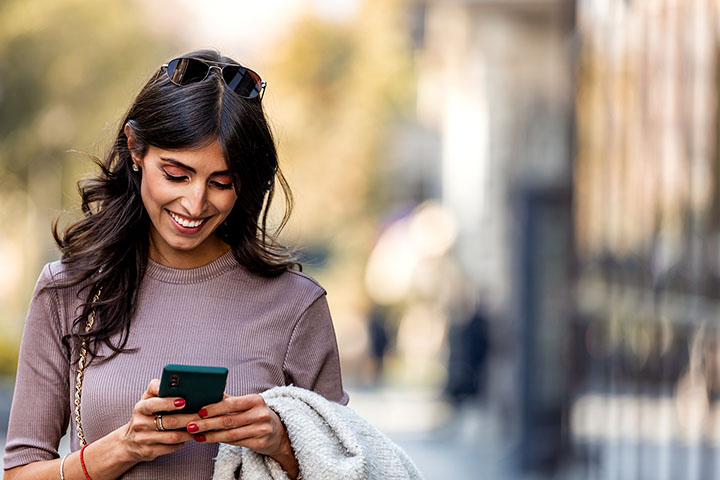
{"x":444,"y":443}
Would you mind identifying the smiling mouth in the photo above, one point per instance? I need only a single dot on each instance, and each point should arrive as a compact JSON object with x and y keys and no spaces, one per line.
{"x":186,"y":222}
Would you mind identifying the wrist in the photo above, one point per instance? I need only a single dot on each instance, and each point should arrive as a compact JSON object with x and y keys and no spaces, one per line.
{"x":286,"y":457}
{"x":96,"y":460}
{"x":116,"y":450}
{"x":82,"y":462}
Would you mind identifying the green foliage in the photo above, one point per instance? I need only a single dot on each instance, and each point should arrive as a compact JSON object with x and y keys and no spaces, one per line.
{"x":340,"y":86}
{"x":340,"y":89}
{"x":66,"y":67}
{"x":9,"y":349}
{"x":314,"y":64}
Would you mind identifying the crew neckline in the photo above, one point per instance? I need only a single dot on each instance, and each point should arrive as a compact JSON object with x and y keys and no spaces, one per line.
{"x":217,"y":267}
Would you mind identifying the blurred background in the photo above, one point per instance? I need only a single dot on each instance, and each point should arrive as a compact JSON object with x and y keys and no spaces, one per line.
{"x":513,"y":204}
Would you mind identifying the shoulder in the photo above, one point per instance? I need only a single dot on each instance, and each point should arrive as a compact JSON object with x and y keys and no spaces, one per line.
{"x":53,"y":283}
{"x":300,"y":286}
{"x":50,"y":301}
{"x":49,"y":276}
{"x":287,"y":280}
{"x":53,"y":275}
{"x":56,"y":270}
{"x":290,"y":286}
{"x":303,"y":281}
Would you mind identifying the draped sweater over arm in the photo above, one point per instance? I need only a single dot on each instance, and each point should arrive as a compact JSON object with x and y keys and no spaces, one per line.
{"x":266,"y":331}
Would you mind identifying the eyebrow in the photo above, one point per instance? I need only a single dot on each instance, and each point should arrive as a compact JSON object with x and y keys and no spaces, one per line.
{"x":190,"y":169}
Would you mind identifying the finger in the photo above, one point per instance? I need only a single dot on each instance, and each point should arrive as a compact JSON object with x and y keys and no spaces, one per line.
{"x":170,"y":437}
{"x":165,"y":449}
{"x":232,"y":405}
{"x":159,"y":404}
{"x":248,"y":436}
{"x":152,"y":389}
{"x":225,"y":422}
{"x":174,"y":421}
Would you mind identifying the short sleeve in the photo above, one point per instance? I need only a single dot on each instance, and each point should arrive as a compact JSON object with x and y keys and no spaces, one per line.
{"x":40,"y":409}
{"x":312,"y":360}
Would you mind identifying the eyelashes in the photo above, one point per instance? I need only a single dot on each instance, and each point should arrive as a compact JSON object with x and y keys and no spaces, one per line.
{"x":222,"y":186}
{"x":173,"y":178}
{"x":182,"y":178}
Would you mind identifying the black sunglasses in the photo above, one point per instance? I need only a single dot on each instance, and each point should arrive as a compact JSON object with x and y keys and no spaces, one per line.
{"x":243,"y":81}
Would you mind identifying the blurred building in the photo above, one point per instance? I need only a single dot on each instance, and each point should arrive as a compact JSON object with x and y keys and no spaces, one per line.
{"x":579,"y":157}
{"x":495,"y":86}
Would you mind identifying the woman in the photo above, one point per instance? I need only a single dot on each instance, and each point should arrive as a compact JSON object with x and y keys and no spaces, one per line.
{"x":172,"y":261}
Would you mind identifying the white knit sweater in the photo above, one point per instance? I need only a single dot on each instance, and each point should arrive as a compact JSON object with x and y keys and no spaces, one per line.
{"x":331,"y":442}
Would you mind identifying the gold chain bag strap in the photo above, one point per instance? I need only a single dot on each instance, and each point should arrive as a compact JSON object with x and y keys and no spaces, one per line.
{"x":81,"y":372}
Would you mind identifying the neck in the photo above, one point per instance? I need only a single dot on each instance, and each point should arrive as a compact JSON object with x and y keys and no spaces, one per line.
{"x":212,"y":249}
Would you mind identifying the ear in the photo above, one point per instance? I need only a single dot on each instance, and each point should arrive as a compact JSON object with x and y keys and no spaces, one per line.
{"x":132,"y":144}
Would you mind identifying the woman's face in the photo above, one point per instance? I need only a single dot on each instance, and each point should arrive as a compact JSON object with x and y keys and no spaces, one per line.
{"x":187,"y":195}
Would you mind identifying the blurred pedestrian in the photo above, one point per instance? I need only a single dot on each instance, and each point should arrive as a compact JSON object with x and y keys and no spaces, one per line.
{"x":379,"y":340}
{"x":469,"y":345}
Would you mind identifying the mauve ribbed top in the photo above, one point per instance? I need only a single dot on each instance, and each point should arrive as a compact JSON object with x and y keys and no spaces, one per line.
{"x":266,"y":331}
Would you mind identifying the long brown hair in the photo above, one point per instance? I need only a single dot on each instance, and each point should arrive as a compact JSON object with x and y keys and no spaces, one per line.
{"x":107,"y":248}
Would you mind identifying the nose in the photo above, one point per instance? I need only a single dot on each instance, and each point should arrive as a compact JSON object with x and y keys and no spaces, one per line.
{"x":195,"y":200}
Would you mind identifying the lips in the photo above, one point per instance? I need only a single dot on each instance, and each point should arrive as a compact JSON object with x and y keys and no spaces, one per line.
{"x":187,"y":225}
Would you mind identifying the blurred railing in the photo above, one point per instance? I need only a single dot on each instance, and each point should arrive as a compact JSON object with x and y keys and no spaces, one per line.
{"x":645,"y":351}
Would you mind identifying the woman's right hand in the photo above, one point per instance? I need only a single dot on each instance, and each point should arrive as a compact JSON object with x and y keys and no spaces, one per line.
{"x":112,"y":455}
{"x":139,"y":437}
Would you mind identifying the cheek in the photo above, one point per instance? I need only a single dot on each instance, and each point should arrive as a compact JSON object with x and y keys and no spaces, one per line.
{"x":153,"y":195}
{"x":226,"y":201}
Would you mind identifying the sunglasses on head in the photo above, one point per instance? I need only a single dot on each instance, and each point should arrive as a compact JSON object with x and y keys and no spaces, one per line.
{"x":243,"y":81}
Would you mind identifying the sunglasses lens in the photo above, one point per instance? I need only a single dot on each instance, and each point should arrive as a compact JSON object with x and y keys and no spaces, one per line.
{"x":183,"y":71}
{"x":243,"y":81}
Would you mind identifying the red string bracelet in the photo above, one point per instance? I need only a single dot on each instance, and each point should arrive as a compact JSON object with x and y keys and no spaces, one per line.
{"x":82,"y":461}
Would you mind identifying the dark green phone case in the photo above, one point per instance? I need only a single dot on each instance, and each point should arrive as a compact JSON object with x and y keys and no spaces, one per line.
{"x":198,"y":385}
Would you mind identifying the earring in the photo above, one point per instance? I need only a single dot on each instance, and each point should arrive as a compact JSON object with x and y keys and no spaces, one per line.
{"x":135,"y":167}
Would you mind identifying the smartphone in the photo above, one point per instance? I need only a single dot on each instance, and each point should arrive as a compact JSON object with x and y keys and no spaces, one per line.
{"x":198,"y":385}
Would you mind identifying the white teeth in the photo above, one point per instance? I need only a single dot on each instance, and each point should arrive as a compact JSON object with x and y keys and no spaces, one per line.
{"x":186,"y":223}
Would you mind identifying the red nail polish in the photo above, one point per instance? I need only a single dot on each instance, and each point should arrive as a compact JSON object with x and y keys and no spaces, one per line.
{"x":202,"y":412}
{"x":192,"y":428}
{"x":200,"y":438}
{"x":179,"y":402}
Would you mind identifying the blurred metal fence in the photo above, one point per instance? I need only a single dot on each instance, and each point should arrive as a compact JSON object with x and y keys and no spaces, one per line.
{"x":645,"y":354}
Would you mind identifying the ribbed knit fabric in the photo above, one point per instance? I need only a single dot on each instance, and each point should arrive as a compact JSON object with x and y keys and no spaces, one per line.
{"x":267,"y":332}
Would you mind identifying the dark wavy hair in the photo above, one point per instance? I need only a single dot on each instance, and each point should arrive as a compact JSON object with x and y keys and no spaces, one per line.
{"x":107,"y":248}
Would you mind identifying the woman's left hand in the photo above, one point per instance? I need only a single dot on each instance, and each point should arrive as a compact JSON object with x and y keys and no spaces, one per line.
{"x":246,"y":421}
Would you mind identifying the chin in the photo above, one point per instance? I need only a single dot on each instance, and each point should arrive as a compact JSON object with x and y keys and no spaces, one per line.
{"x":184,"y":247}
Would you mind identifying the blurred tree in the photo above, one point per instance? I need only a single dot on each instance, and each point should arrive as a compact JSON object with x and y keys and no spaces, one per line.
{"x":67,"y":69}
{"x":341,"y":87}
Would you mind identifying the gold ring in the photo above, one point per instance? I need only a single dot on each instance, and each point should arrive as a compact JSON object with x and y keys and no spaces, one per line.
{"x":158,"y":423}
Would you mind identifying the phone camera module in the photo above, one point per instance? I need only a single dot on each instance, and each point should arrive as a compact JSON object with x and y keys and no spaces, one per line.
{"x":174,"y":380}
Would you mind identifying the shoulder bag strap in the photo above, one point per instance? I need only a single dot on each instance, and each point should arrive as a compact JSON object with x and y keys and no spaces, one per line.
{"x":81,"y":372}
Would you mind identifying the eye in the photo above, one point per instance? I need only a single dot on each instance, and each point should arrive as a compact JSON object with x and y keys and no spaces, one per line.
{"x":222,"y":186}
{"x":173,"y":178}
{"x":222,"y":181}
